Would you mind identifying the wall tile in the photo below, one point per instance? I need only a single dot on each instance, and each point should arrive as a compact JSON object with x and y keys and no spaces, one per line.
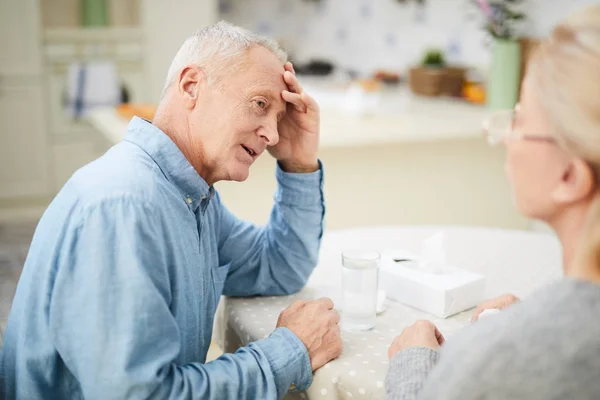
{"x":365,"y":35}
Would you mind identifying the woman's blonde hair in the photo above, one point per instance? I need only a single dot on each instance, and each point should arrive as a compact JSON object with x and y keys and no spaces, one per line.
{"x":565,"y":70}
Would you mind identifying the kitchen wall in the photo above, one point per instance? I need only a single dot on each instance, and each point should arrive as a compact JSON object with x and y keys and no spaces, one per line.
{"x":545,"y":14}
{"x":165,"y":29}
{"x":364,"y":35}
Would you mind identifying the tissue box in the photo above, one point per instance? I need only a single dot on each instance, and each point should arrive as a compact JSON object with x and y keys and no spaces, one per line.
{"x":440,"y":294}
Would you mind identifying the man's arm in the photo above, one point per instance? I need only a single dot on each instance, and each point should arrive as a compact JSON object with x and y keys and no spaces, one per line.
{"x":112,"y":326}
{"x":278,"y":258}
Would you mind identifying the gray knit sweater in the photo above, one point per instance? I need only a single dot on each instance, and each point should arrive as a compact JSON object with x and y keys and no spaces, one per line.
{"x":546,"y":347}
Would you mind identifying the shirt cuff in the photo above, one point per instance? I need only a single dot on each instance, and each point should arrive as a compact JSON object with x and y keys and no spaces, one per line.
{"x":288,"y":359}
{"x":302,"y":189}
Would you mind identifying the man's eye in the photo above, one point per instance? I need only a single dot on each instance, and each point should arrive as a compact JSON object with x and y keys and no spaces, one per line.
{"x":261,"y":103}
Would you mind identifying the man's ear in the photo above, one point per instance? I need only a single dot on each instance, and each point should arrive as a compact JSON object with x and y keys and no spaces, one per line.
{"x":577,"y":183}
{"x":192,"y":80}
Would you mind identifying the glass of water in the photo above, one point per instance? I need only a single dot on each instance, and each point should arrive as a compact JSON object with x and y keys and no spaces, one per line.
{"x":360,"y":277}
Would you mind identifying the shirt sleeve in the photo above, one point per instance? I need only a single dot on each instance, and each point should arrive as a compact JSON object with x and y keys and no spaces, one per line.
{"x":276,"y":259}
{"x":408,"y":371}
{"x":110,"y":320}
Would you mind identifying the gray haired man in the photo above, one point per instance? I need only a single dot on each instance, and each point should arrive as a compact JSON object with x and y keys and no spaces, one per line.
{"x":118,"y":294}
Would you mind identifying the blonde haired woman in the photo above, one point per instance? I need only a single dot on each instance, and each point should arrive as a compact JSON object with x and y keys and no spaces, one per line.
{"x":548,"y":346}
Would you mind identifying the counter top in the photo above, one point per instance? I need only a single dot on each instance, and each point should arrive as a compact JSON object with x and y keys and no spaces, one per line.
{"x":355,"y":118}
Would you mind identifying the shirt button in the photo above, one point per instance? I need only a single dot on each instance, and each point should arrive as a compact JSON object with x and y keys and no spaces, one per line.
{"x":188,"y":200}
{"x":203,"y":197}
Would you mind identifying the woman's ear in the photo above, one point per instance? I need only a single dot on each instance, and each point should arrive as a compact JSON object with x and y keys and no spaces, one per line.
{"x":577,"y":183}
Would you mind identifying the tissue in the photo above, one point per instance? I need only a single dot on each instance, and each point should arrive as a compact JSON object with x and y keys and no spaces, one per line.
{"x":427,"y":282}
{"x":433,"y":255}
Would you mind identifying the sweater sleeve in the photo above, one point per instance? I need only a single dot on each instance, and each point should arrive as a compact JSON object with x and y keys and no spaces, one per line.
{"x":408,"y":370}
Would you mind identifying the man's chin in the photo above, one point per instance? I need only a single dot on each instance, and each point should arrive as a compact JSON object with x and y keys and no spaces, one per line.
{"x":240,"y":174}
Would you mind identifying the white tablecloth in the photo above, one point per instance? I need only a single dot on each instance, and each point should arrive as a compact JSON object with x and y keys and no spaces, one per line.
{"x":513,"y":261}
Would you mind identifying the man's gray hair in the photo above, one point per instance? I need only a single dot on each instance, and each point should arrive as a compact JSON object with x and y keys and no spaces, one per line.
{"x":219,"y":49}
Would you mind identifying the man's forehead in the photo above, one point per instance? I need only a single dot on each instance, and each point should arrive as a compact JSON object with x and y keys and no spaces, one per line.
{"x":269,"y":78}
{"x":267,"y":83}
{"x":266,"y":66}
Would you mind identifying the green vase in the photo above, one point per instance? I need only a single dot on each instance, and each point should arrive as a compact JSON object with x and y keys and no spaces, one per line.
{"x":94,"y":13}
{"x":505,"y":75}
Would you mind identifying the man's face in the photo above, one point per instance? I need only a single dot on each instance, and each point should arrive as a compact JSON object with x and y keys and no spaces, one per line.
{"x":236,"y":119}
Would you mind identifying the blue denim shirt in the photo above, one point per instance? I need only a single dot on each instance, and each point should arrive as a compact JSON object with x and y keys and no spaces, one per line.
{"x":118,"y":294}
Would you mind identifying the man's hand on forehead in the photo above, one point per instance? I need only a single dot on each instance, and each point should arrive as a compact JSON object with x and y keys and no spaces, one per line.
{"x":298,"y":129}
{"x":294,"y":93}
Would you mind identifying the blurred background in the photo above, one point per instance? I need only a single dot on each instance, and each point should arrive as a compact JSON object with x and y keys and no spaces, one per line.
{"x":403,"y":86}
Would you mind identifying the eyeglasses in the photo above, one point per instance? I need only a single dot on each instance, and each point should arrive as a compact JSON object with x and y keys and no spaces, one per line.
{"x":501,"y":125}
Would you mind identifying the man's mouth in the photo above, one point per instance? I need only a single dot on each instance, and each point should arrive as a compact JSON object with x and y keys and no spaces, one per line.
{"x":249,"y":151}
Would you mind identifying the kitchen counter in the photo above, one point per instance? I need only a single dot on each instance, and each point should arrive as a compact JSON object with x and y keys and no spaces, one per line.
{"x":354,"y":118}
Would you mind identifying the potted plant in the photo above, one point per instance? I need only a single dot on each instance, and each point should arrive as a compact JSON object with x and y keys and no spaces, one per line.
{"x":434,"y":58}
{"x":426,"y":78}
{"x":434,"y":77}
{"x":501,"y":22}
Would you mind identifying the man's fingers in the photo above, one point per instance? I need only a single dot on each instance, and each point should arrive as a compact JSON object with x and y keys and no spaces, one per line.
{"x":310,"y":103}
{"x":292,"y":82}
{"x":335,"y":316}
{"x":296,"y":305}
{"x":289,"y":67}
{"x":326,"y":301}
{"x":295,"y":99}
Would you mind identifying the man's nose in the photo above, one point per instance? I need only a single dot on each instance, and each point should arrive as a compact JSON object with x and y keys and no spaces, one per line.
{"x":270,"y":134}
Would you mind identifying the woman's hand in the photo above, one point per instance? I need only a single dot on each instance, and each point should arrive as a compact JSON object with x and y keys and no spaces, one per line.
{"x":419,"y":334}
{"x":496,"y":303}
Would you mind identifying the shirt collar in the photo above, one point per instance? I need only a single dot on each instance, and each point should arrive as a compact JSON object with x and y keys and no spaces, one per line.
{"x":171,"y":161}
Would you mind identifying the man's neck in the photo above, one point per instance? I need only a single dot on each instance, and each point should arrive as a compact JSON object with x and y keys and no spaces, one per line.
{"x":175,"y":127}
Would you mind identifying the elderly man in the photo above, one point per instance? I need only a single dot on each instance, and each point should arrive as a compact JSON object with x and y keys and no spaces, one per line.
{"x":118,"y":294}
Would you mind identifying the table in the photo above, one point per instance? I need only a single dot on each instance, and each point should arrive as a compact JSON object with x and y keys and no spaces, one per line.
{"x":518,"y":262}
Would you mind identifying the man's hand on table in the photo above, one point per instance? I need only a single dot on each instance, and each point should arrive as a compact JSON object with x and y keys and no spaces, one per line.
{"x":497,"y":303}
{"x":316,"y":325}
{"x":298,"y":130}
{"x":419,"y":334}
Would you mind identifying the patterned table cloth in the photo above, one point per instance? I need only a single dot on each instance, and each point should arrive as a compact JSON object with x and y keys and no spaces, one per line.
{"x":518,"y":262}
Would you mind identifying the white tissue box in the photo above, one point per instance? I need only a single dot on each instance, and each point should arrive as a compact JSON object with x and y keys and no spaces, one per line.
{"x":440,"y":294}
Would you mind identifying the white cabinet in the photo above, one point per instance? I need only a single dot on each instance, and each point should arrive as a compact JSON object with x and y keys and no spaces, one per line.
{"x":24,"y":159}
{"x":19,"y":38}
{"x":24,"y":166}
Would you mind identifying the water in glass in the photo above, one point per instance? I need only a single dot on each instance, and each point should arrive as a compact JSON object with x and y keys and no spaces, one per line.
{"x":360,"y":276}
